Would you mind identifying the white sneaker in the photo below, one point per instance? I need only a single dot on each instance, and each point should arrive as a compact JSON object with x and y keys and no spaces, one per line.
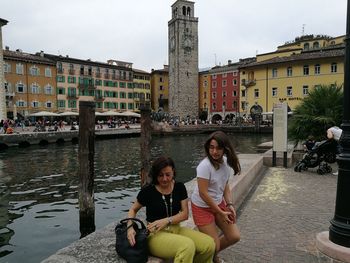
{"x":336,"y":173}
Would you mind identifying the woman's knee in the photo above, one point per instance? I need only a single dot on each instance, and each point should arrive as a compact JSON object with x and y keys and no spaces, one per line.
{"x":233,"y":237}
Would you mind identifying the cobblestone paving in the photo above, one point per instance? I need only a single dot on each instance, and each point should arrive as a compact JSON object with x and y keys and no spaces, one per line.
{"x":280,"y":220}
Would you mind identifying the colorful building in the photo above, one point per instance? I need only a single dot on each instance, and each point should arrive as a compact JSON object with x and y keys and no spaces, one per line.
{"x":30,"y":83}
{"x":160,"y":89}
{"x":224,"y":91}
{"x":291,"y":72}
{"x":204,"y":83}
{"x":142,"y":88}
{"x":109,"y":84}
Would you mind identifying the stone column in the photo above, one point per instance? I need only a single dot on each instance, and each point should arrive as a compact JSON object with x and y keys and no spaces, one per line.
{"x":3,"y":114}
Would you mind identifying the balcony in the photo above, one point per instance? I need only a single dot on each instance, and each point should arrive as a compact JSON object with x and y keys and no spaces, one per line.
{"x":248,"y":83}
{"x":106,"y":76}
{"x":71,"y":72}
{"x":87,"y":86}
{"x":72,"y":96}
{"x":98,"y":75}
{"x":99,"y":98}
{"x":60,"y":70}
{"x":114,"y":77}
{"x":10,"y":94}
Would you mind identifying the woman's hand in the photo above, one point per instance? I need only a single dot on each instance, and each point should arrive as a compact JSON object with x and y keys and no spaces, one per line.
{"x":157,"y":225}
{"x":232,"y":216}
{"x":131,"y":236}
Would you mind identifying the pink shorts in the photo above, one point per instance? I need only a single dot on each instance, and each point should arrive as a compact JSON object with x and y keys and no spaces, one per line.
{"x":205,"y":215}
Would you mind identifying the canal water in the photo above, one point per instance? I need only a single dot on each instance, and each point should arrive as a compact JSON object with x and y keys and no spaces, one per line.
{"x":39,"y":211}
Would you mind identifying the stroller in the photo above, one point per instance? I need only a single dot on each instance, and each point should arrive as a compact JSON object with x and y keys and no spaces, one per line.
{"x":320,"y":155}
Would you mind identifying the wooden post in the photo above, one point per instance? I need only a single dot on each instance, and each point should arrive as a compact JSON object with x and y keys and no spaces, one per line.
{"x":145,"y":143}
{"x":86,"y":167}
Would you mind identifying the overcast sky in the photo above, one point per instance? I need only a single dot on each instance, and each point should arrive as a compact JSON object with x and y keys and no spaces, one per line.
{"x":137,"y":30}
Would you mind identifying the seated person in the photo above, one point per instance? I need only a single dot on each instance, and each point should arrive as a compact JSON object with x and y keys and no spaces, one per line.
{"x":309,"y":143}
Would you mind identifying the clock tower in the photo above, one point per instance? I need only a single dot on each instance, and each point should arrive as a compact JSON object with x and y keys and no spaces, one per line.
{"x":183,"y":60}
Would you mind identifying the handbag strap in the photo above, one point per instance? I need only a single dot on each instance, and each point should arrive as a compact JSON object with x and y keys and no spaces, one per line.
{"x":125,"y":220}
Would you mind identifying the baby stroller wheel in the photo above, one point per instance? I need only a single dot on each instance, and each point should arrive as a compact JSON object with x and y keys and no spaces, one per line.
{"x":320,"y":171}
{"x":328,"y":169}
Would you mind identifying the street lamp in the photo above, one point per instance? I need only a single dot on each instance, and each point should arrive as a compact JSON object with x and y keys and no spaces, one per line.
{"x":339,"y":231}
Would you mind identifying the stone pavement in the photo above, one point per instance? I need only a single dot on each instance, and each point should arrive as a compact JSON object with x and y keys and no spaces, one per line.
{"x":279,"y":221}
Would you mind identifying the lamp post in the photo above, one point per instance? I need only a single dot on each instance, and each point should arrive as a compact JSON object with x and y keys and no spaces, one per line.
{"x":339,"y":231}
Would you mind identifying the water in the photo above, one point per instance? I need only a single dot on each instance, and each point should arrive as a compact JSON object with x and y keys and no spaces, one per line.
{"x":38,"y":188}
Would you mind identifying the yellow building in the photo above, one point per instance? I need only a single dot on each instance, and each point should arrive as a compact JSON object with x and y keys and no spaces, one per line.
{"x":204,"y":91}
{"x":291,"y":72}
{"x":142,"y":88}
{"x":160,"y":89}
{"x":30,"y":83}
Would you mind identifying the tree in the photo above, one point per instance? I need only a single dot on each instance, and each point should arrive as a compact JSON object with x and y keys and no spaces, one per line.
{"x":322,"y":109}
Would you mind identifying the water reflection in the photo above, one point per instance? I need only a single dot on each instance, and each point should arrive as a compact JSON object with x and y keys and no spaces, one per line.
{"x":38,"y":188}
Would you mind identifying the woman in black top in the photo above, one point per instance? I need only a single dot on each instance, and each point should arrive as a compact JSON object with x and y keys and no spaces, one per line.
{"x":166,"y":203}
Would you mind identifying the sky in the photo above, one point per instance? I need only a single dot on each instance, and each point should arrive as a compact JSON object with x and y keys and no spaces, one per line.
{"x":136,"y":31}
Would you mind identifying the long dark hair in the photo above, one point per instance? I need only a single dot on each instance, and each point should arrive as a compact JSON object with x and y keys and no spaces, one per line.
{"x":158,"y":165}
{"x":223,"y":142}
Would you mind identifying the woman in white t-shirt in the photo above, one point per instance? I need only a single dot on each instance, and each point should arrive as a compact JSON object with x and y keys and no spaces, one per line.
{"x":211,"y":200}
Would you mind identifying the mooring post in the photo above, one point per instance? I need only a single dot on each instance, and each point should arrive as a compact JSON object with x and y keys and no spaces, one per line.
{"x":145,"y":142}
{"x":86,"y":167}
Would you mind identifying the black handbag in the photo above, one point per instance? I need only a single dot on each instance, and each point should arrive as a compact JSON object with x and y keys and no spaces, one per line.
{"x":139,"y":252}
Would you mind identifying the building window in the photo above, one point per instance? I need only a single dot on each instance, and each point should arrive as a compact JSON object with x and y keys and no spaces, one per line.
{"x":224,"y":83}
{"x":7,"y":68}
{"x":224,"y":75}
{"x":243,"y":93}
{"x":334,"y":67}
{"x":35,"y":88}
{"x":21,"y":103}
{"x":289,"y":71}
{"x":214,"y":84}
{"x":306,"y":70}
{"x":213,"y":95}
{"x":160,"y":79}
{"x":305,"y":90}
{"x":235,"y":73}
{"x":34,"y":71}
{"x":60,"y":78}
{"x":161,"y":87}
{"x":317,"y":69}
{"x":205,"y":95}
{"x":205,"y":83}
{"x":122,"y":95}
{"x":72,"y":104}
{"x":274,"y":92}
{"x":234,"y":93}
{"x":235,"y":82}
{"x":35,"y":104}
{"x":48,"y":72}
{"x":48,"y":90}
{"x":224,"y":94}
{"x":256,"y":93}
{"x":213,"y":106}
{"x":19,"y":69}
{"x":289,"y":91}
{"x":48,"y":104}
{"x":316,"y":45}
{"x":306,"y":46}
{"x":61,"y":104}
{"x":214,"y":76}
{"x":234,"y":105}
{"x":71,"y":79}
{"x":20,"y":88}
{"x":274,"y":72}
{"x":61,"y":91}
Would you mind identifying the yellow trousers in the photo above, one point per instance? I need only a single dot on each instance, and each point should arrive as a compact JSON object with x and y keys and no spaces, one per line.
{"x":182,"y":244}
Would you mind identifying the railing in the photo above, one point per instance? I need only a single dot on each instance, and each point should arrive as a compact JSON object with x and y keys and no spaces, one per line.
{"x":71,"y":71}
{"x":87,"y":86}
{"x":60,"y":70}
{"x":99,"y":98}
{"x":98,"y":75}
{"x":72,"y":96}
{"x":249,"y":82}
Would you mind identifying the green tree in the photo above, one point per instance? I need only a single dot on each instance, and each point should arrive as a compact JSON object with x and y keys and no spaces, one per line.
{"x":323,"y":108}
